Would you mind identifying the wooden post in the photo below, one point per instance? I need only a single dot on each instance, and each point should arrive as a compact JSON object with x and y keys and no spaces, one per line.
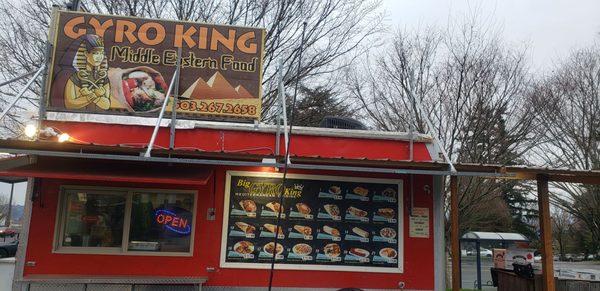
{"x":546,"y":233}
{"x":455,"y":247}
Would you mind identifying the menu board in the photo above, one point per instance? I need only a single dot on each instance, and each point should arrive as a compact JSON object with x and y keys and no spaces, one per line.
{"x":327,"y":223}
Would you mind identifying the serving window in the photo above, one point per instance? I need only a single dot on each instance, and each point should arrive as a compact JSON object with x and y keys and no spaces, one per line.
{"x":125,"y":221}
{"x":327,"y":223}
{"x":94,"y":219}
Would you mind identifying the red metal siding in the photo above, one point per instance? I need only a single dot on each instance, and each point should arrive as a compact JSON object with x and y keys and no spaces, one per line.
{"x":213,"y":140}
{"x":418,"y":252}
{"x":41,"y":235}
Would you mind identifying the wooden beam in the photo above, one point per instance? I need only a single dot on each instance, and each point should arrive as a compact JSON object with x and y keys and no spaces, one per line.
{"x":454,"y":237}
{"x":576,"y":179}
{"x":546,"y":233}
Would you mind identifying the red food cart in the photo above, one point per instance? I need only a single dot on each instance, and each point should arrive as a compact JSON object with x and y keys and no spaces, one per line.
{"x":115,"y":202}
{"x":203,"y":213}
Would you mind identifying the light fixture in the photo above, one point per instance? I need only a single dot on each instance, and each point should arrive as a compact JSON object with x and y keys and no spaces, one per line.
{"x":269,"y":165}
{"x":30,"y":130}
{"x":269,"y":161}
{"x":63,"y":137}
{"x":49,"y":132}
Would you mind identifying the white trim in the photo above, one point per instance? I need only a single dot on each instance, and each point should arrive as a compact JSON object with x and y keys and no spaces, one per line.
{"x":221,"y":125}
{"x":364,"y":269}
{"x":439,"y":243}
{"x":21,"y":254}
{"x":127,"y":222}
{"x":58,"y":248}
{"x":57,"y":234}
{"x":77,"y":279}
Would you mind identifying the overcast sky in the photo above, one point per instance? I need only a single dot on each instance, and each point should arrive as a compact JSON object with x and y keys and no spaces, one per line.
{"x":549,"y":28}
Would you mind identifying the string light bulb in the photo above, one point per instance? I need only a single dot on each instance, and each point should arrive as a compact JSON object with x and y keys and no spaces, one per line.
{"x":30,"y":130}
{"x":63,"y":137}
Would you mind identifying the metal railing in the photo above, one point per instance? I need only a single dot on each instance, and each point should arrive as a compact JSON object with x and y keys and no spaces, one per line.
{"x":174,"y":80}
{"x":21,"y":93}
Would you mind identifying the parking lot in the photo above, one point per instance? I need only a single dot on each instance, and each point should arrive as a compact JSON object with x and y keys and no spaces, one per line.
{"x":469,"y":272}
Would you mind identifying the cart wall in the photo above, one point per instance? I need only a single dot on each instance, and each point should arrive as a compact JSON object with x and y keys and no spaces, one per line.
{"x":418,"y":252}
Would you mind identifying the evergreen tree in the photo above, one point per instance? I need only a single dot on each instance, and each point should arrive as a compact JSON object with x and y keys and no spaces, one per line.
{"x":314,"y":104}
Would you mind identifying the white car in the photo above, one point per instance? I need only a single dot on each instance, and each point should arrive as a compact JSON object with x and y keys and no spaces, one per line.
{"x":486,"y":253}
{"x":590,"y":257}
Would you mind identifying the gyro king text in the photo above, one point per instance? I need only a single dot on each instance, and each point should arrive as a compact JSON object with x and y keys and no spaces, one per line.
{"x":154,"y":33}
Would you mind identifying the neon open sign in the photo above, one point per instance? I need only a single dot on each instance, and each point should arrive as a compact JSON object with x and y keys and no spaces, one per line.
{"x":172,"y":221}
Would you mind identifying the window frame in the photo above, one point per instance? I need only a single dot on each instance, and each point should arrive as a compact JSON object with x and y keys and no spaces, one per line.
{"x":61,"y":216}
{"x":401,"y":231}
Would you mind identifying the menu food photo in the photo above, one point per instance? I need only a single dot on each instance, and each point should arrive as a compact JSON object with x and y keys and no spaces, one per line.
{"x":325,"y":222}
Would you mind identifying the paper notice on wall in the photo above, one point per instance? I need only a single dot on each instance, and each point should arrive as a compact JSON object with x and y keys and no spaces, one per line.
{"x":419,"y":222}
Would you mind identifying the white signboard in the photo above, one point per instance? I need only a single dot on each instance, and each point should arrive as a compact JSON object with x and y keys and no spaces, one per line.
{"x":419,"y":223}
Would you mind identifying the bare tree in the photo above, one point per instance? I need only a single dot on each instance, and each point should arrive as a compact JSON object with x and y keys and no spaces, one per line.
{"x":567,"y":106}
{"x":3,"y":210}
{"x":561,"y":228}
{"x":381,"y":86}
{"x":568,"y":112}
{"x":336,"y":32}
{"x":472,"y":89}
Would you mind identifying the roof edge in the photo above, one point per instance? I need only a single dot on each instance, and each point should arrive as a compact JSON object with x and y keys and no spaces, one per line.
{"x":222,"y":125}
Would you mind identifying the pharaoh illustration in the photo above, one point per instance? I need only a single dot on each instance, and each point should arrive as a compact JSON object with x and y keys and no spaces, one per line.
{"x":88,"y":85}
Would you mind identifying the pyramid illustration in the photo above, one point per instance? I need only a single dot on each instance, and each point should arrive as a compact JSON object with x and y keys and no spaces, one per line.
{"x":242,"y":92}
{"x":190,"y":90}
{"x":217,"y":87}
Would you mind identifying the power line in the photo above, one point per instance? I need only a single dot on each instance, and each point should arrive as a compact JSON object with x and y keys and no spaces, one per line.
{"x":286,"y":159}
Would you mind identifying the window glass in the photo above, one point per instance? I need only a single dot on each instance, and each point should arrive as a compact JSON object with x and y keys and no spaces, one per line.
{"x":94,"y":219}
{"x":161,"y":222}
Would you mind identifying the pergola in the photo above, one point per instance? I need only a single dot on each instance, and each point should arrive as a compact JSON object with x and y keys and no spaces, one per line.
{"x":542,"y":177}
{"x":27,"y":151}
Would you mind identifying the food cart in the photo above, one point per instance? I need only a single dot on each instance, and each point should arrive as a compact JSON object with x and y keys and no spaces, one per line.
{"x":97,"y":219}
{"x":120,"y":199}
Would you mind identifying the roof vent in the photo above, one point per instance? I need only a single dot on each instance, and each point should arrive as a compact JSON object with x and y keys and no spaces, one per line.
{"x":341,"y":122}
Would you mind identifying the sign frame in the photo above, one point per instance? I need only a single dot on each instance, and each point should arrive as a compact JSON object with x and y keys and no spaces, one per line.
{"x":233,"y":116}
{"x":310,"y":267}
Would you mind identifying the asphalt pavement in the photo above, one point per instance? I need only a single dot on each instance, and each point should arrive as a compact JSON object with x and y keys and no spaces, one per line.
{"x":469,"y":272}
